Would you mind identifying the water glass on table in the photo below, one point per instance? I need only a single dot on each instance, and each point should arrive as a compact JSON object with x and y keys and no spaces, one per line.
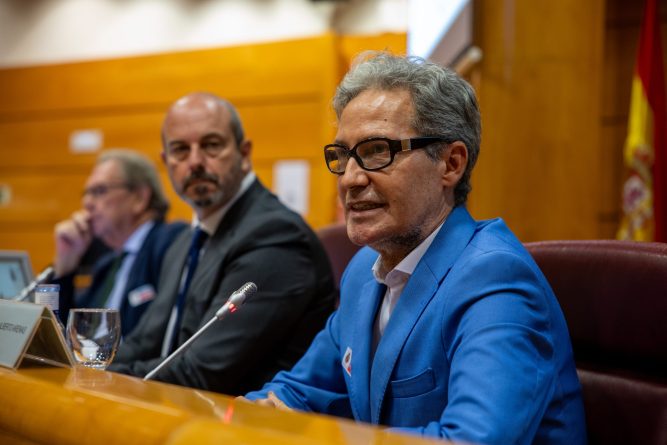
{"x":93,"y":335}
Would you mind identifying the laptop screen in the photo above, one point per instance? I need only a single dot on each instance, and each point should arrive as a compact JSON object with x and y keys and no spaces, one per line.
{"x":15,"y":273}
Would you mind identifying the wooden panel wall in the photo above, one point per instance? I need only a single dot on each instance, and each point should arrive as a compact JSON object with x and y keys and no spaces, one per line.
{"x":554,"y":88}
{"x":539,"y":91}
{"x":282,"y":90}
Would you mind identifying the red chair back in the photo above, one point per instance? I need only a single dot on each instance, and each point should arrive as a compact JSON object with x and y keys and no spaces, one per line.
{"x":338,"y":246}
{"x":614,"y":297}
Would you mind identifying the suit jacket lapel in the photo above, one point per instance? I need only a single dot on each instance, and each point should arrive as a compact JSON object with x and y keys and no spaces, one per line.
{"x":204,"y":281}
{"x":417,"y":293}
{"x":453,"y":237}
{"x":137,"y":273}
{"x":361,"y":344}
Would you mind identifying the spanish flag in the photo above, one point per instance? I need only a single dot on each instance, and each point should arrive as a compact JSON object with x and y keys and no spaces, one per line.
{"x":645,"y":154}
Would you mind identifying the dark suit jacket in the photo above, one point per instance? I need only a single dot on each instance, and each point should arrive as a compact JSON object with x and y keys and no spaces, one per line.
{"x":258,"y":240}
{"x":143,"y":277}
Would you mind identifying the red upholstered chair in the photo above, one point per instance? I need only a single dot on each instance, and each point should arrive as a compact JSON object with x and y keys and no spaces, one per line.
{"x":338,"y":246}
{"x":614,"y":297}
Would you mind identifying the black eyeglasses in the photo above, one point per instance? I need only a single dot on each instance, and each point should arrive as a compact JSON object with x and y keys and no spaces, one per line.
{"x":97,"y":191}
{"x":372,"y":154}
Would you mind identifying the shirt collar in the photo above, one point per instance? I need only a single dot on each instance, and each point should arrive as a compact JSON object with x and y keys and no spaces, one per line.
{"x":409,"y":263}
{"x":134,"y":242}
{"x":210,"y":224}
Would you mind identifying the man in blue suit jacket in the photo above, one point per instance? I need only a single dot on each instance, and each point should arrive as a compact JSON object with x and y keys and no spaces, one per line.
{"x":446,"y":326}
{"x":124,"y":206}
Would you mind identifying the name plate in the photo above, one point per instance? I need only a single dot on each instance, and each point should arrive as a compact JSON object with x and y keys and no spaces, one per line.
{"x":31,"y":336}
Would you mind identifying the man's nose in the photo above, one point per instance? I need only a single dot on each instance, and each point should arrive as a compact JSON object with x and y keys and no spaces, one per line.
{"x":354,"y":175}
{"x":196,"y":156}
{"x":87,"y":201}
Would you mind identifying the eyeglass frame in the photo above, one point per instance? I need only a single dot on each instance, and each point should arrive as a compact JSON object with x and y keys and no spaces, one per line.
{"x":395,"y":146}
{"x":100,"y":190}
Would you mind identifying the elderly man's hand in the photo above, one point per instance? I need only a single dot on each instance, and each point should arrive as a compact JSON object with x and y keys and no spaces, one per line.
{"x":271,"y":400}
{"x":72,"y":237}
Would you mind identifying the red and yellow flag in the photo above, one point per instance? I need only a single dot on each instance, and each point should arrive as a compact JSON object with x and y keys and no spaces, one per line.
{"x":645,"y":154}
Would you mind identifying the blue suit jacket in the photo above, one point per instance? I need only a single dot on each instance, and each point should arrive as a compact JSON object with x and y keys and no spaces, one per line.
{"x":143,"y":276}
{"x":476,"y":349}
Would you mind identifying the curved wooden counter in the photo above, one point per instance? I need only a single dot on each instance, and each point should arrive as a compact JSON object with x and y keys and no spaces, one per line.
{"x":84,"y":406}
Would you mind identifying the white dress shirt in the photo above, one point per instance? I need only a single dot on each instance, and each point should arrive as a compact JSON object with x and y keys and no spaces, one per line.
{"x":130,"y":248}
{"x":395,"y":280}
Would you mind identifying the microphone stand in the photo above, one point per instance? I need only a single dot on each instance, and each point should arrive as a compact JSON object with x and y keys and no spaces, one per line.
{"x":230,"y":306}
{"x":42,"y":277}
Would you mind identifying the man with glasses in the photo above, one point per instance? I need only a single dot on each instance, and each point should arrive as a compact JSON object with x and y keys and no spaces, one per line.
{"x":241,"y":233}
{"x":446,"y":326}
{"x":124,"y":206}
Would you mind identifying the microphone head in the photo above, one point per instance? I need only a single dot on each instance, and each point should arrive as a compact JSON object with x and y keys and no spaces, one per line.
{"x":242,"y":293}
{"x":237,"y":299}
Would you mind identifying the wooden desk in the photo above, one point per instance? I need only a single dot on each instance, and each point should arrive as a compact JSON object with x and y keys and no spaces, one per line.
{"x":84,"y":406}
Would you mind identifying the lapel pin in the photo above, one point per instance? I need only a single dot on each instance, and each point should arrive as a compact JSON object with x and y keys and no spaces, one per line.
{"x":347,"y":361}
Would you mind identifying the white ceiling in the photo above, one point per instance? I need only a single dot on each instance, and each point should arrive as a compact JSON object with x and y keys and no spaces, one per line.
{"x":53,"y":31}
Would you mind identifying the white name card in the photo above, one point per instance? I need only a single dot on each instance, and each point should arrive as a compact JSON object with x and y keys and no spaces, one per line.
{"x":30,"y":335}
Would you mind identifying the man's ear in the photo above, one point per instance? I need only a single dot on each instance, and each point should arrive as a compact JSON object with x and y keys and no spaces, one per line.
{"x":144,"y":195}
{"x":455,"y":158}
{"x":245,"y":148}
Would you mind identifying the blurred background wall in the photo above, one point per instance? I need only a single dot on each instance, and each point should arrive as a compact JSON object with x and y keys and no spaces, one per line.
{"x":81,"y":76}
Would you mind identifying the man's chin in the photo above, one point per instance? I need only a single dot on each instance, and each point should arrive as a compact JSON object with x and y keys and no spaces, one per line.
{"x":96,"y":231}
{"x":204,"y":202}
{"x":360,"y":236}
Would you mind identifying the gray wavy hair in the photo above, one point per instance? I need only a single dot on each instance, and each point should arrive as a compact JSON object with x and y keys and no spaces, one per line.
{"x":139,"y":171}
{"x":445,"y":105}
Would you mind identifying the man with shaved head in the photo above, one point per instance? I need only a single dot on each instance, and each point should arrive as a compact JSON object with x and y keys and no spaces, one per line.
{"x":240,"y":233}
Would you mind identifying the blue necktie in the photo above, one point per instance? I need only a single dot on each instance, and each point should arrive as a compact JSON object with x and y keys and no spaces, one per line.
{"x":198,"y":239}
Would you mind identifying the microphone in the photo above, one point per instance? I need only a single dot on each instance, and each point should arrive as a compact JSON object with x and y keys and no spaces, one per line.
{"x":43,"y":276}
{"x":230,"y":306}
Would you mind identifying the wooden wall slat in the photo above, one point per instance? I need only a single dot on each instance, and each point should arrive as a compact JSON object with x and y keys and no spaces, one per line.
{"x":276,"y":129}
{"x":538,"y":88}
{"x":243,"y":74}
{"x":620,"y":52}
{"x":554,"y":88}
{"x":37,"y":198}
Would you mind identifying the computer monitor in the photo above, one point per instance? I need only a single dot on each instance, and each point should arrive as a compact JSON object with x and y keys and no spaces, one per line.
{"x":15,"y":272}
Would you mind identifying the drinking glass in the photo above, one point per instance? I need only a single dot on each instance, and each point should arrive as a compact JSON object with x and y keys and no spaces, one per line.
{"x":93,"y":335}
